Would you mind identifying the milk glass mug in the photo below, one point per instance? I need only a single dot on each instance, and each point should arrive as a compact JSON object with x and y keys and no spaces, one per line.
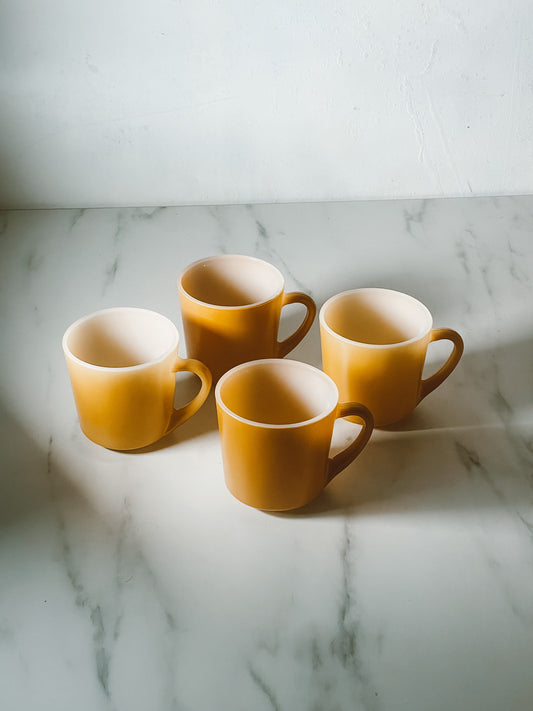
{"x":276,"y":422}
{"x":374,"y":344}
{"x":231,"y":306}
{"x":122,"y":364}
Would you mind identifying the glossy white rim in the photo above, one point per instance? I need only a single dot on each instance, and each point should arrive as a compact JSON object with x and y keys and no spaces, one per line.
{"x":172,"y":347}
{"x":424,"y":330}
{"x":237,"y":257}
{"x":280,"y":364}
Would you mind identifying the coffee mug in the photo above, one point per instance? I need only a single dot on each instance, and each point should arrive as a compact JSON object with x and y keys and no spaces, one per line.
{"x":374,"y":344}
{"x":122,"y":364}
{"x":276,"y":422}
{"x":231,"y":306}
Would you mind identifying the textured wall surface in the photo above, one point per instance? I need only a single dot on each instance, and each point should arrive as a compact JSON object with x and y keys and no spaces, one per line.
{"x":200,"y":101}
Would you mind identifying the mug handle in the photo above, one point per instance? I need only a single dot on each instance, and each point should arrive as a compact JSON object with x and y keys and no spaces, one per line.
{"x":203,"y":372}
{"x":297,"y":297}
{"x":439,"y":334}
{"x":341,"y":460}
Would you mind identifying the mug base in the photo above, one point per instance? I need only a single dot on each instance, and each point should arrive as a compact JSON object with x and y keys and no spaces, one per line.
{"x":116,"y":447}
{"x":270,"y":507}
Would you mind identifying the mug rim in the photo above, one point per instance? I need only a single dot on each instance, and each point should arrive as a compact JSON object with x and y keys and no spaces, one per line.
{"x":281,"y":362}
{"x":121,"y":368}
{"x":217,"y":257}
{"x":323,"y":323}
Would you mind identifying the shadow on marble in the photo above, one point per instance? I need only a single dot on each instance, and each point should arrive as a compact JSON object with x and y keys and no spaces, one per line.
{"x":490,"y":386}
{"x":461,"y":470}
{"x":32,"y":481}
{"x":509,"y":369}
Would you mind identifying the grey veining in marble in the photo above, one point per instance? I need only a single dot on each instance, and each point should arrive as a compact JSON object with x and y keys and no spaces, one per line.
{"x":135,"y":581}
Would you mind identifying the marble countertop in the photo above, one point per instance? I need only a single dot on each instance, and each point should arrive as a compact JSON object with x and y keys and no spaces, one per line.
{"x":136,"y":581}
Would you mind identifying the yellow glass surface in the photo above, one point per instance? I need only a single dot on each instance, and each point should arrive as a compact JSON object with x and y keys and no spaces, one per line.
{"x":276,"y":423}
{"x":122,"y":365}
{"x":231,"y":308}
{"x":374,"y":344}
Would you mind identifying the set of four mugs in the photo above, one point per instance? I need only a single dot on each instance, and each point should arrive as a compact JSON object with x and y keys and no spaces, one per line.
{"x":275,"y":415}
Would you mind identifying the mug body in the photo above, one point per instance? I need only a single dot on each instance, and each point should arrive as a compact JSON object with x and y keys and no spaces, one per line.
{"x":276,"y":421}
{"x":374,"y":343}
{"x":120,"y":363}
{"x":230,"y":306}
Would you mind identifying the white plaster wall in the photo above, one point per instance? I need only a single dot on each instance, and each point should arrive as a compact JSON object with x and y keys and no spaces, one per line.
{"x":114,"y":102}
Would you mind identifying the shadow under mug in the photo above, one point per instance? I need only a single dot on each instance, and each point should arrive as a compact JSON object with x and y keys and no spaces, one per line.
{"x":122,"y":364}
{"x":231,"y":306}
{"x":374,"y":343}
{"x":276,"y":422}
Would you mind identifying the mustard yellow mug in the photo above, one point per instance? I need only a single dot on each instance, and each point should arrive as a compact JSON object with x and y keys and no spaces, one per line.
{"x":231,"y":306}
{"x":374,"y":343}
{"x":276,"y":422}
{"x":122,"y":364}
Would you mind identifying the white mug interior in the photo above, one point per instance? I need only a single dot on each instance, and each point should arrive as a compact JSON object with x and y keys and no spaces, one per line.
{"x":231,"y":280}
{"x":121,"y":337}
{"x":375,"y":316}
{"x":277,"y":393}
